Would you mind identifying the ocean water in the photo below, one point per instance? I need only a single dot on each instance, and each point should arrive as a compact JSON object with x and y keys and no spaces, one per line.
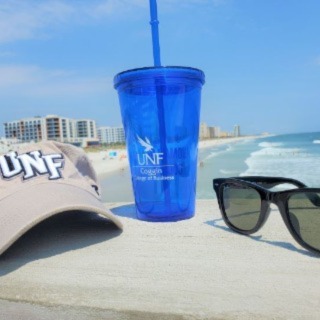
{"x":293,"y":155}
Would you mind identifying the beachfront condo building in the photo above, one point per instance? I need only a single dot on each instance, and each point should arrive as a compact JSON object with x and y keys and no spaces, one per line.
{"x":214,"y":132}
{"x":236,"y":131}
{"x":207,"y":132}
{"x":204,"y":132}
{"x":52,"y":127}
{"x":111,"y":135}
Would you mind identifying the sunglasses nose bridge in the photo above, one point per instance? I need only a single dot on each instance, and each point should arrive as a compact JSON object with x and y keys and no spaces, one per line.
{"x":271,"y":197}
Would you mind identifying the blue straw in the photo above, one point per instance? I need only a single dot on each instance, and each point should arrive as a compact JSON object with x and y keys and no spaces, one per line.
{"x":155,"y":32}
{"x":157,"y":63}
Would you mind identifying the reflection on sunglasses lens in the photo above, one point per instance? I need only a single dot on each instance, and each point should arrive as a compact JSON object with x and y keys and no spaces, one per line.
{"x":304,"y":215}
{"x":242,"y":206}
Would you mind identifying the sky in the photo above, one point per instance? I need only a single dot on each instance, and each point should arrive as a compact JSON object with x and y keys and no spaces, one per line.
{"x":261,"y":58}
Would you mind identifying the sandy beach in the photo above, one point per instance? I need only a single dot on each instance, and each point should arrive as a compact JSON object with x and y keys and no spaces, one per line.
{"x":217,"y":142}
{"x":104,"y":164}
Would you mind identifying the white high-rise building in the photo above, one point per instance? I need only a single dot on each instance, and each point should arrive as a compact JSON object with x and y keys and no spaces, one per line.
{"x":26,"y":129}
{"x":207,"y":132}
{"x":52,"y":127}
{"x":111,"y":135}
{"x":236,"y":131}
{"x":215,"y":132}
{"x":204,"y":131}
{"x":86,"y":128}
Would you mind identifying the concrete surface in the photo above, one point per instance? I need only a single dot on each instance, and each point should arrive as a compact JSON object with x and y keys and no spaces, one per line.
{"x":79,"y":266}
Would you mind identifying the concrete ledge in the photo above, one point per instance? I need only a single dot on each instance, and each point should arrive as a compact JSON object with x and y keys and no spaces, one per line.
{"x":79,"y":266}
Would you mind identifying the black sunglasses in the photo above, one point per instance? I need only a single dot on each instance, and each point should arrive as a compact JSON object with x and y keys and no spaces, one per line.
{"x":245,"y":206}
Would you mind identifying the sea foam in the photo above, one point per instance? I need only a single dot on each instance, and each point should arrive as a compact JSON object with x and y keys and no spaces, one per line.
{"x":266,"y":144}
{"x":273,"y":159}
{"x":214,"y":153}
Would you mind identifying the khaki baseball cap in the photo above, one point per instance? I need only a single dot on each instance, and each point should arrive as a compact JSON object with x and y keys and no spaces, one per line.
{"x":40,"y":180}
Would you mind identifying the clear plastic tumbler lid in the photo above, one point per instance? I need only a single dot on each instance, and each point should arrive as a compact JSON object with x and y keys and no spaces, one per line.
{"x":154,"y":73}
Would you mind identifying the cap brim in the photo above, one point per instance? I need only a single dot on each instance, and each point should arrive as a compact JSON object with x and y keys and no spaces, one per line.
{"x":22,"y":210}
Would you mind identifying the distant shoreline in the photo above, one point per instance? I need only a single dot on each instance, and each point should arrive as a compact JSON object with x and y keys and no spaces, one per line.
{"x":105,"y":164}
{"x":220,"y":141}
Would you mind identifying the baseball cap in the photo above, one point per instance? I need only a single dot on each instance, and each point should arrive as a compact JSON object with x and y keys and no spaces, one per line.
{"x":43,"y":179}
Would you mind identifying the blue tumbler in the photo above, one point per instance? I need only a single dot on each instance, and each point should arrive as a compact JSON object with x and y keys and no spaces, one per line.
{"x":160,"y":108}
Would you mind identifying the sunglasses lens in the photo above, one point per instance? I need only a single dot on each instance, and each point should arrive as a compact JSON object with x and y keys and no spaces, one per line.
{"x":242,"y":206}
{"x":304,"y":215}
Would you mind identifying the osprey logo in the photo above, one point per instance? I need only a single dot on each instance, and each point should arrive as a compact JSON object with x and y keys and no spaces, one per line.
{"x":31,"y":164}
{"x":147,"y":159}
{"x":145,"y":143}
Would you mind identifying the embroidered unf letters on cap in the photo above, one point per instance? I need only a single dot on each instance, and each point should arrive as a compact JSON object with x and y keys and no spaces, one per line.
{"x":31,"y":164}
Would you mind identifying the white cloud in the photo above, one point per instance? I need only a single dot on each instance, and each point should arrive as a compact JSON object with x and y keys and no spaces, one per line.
{"x":29,"y":19}
{"x":203,"y":2}
{"x":5,"y":54}
{"x":25,"y":20}
{"x":34,"y":81}
{"x":17,"y":75}
{"x":113,"y":7}
{"x":177,"y":4}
